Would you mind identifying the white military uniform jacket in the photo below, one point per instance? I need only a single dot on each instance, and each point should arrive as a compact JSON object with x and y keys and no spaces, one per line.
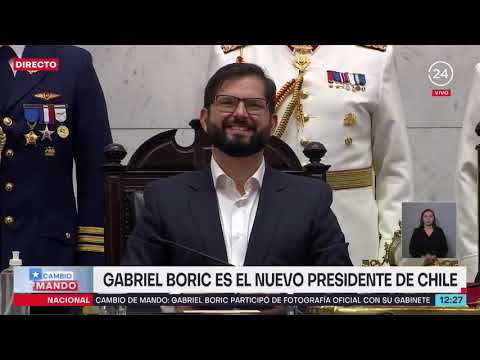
{"x":360,"y":129}
{"x":466,"y":180}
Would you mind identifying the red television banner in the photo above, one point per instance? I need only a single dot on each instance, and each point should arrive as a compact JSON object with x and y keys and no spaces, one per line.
{"x":53,"y":300}
{"x":34,"y":65}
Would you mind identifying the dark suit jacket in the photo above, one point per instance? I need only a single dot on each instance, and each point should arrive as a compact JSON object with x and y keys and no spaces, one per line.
{"x":294,"y":225}
{"x":47,"y":229}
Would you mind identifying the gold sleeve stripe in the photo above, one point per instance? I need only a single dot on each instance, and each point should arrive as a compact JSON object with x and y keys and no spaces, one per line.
{"x":92,"y":248}
{"x":350,"y":179}
{"x":91,"y":239}
{"x":90,"y":230}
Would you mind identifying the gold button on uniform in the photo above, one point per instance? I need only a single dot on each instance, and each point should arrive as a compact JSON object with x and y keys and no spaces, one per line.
{"x":350,"y":119}
{"x":305,"y":94}
{"x":7,"y":121}
{"x":8,"y":220}
{"x":348,"y":141}
{"x":9,"y":186}
{"x":9,"y":153}
{"x":306,"y":117}
{"x":67,"y":235}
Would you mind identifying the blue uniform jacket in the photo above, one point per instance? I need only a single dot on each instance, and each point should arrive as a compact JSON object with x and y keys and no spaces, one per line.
{"x":38,"y":212}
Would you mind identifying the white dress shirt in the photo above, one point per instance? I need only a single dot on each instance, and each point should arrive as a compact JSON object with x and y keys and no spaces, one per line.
{"x":237,"y":212}
{"x":18,"y":51}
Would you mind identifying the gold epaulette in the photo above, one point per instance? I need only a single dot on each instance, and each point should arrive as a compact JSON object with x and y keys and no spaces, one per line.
{"x":381,"y":48}
{"x":229,"y":48}
{"x":90,"y":239}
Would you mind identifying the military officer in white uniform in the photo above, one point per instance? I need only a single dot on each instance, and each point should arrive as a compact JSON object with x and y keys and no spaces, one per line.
{"x":466,"y":183}
{"x":347,"y":98}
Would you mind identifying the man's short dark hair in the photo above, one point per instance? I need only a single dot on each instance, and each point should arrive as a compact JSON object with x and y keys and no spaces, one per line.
{"x":237,"y":71}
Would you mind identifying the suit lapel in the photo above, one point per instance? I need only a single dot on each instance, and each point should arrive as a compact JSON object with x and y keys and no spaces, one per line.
{"x":24,"y":82}
{"x":203,"y":206}
{"x":269,"y":211}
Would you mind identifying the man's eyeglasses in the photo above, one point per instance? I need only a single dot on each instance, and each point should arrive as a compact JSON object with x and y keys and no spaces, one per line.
{"x":228,"y":104}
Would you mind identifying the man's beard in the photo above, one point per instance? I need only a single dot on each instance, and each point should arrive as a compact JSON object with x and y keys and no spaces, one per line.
{"x":236,"y":146}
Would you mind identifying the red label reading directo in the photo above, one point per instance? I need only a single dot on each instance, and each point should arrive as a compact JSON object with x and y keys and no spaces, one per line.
{"x":51,"y":64}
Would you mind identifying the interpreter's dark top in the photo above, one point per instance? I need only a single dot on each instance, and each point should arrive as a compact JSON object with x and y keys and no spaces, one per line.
{"x":421,"y":244}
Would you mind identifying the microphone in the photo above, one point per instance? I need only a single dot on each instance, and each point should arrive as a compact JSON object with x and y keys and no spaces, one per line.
{"x":477,"y":278}
{"x":197,"y":252}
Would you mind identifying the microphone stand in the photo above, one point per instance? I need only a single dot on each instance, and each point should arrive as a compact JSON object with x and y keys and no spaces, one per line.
{"x":188,"y":249}
{"x":477,"y":131}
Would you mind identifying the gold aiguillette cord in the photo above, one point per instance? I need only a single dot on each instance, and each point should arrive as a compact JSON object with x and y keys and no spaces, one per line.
{"x":301,"y":62}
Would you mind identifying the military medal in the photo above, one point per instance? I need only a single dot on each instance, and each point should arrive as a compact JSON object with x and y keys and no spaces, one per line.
{"x":60,"y":113}
{"x":48,"y":115}
{"x":354,"y":89}
{"x":30,"y":137}
{"x":346,"y":81}
{"x":32,"y":112}
{"x":46,"y":134}
{"x":338,"y":79}
{"x":63,"y":131}
{"x":61,"y":116}
{"x":362,"y":81}
{"x":330,"y":78}
{"x":355,"y":85}
{"x":32,"y":115}
{"x":49,"y":151}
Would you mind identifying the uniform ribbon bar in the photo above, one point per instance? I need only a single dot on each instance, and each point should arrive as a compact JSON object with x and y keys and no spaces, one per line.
{"x":33,"y":115}
{"x":48,"y":115}
{"x":362,"y":80}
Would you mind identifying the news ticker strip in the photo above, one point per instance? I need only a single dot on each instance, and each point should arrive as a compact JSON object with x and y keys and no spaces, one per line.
{"x":244,"y":280}
{"x":241,"y":300}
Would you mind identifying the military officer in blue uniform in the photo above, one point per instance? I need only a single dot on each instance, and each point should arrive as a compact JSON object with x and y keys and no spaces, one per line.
{"x":48,"y":122}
